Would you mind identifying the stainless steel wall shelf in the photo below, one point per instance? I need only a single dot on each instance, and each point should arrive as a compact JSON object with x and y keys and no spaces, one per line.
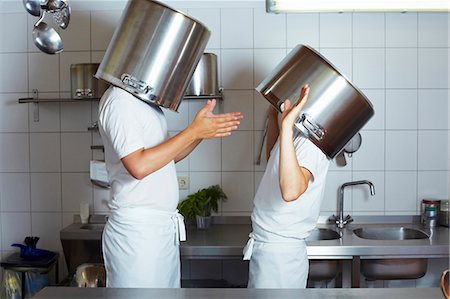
{"x":36,"y":100}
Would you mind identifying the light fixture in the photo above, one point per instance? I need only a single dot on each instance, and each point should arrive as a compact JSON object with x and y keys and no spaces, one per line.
{"x":286,"y":6}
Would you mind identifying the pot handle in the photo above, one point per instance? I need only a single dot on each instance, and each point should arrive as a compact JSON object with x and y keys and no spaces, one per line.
{"x":312,"y":127}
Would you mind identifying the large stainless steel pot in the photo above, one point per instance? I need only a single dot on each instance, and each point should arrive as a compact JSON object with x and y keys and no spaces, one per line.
{"x":205,"y":81}
{"x":336,"y":110}
{"x":154,"y":52}
{"x":83,"y":83}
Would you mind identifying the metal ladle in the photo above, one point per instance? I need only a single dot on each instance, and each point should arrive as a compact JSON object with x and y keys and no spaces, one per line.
{"x":33,"y":7}
{"x":46,"y":38}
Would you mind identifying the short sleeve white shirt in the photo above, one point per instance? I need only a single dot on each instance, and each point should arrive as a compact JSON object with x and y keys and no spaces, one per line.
{"x":127,"y":124}
{"x":275,"y":220}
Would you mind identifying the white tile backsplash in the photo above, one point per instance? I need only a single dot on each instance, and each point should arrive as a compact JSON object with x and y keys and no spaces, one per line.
{"x":400,"y":29}
{"x":401,"y":109}
{"x":237,"y":152}
{"x":206,"y":156}
{"x":401,"y":190}
{"x":76,"y":117}
{"x":432,"y":150}
{"x":399,"y":60}
{"x":46,"y":192}
{"x":302,"y":29}
{"x":335,"y":30}
{"x":270,"y":29}
{"x":434,"y":109}
{"x":368,"y":30}
{"x":369,"y":67}
{"x":401,"y":68}
{"x":13,"y":117}
{"x":14,"y":32}
{"x":15,"y":192}
{"x":236,"y":28}
{"x":14,"y":72}
{"x":237,"y":69}
{"x":433,"y":68}
{"x":401,"y":150}
{"x":45,"y":152}
{"x":76,"y":188}
{"x":14,"y":152}
{"x":43,"y":72}
{"x":430,"y":31}
{"x":239,"y":187}
{"x":75,"y":152}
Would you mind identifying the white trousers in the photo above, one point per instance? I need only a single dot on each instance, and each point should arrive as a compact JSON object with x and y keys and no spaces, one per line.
{"x":141,"y":248}
{"x":277,"y":265}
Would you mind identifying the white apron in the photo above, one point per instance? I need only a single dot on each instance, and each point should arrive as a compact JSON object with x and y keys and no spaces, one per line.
{"x":141,"y":248}
{"x":277,"y":264}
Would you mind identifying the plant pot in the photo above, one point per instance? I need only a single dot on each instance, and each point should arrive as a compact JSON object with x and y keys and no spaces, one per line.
{"x":203,"y":222}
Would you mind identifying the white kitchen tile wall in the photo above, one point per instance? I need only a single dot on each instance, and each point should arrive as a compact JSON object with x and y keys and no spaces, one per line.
{"x":400,"y":61}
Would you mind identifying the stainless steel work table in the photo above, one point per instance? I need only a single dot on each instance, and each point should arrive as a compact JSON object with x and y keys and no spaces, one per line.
{"x":110,"y":293}
{"x":226,"y":238}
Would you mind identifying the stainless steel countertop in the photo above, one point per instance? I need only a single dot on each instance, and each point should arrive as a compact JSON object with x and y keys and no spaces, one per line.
{"x":227,"y":237}
{"x":111,"y":293}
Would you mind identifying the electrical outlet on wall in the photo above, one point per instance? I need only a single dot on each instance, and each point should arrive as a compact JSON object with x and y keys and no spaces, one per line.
{"x":183,"y":182}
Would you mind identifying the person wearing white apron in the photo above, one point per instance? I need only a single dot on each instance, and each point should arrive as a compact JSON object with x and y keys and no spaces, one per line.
{"x":286,"y":204}
{"x":141,"y":237}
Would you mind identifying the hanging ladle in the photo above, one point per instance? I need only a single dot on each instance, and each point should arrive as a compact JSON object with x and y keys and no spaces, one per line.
{"x":352,"y":146}
{"x":33,"y":7}
{"x":46,"y":38}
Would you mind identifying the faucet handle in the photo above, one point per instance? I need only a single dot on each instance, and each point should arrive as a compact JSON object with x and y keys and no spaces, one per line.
{"x":348,"y":219}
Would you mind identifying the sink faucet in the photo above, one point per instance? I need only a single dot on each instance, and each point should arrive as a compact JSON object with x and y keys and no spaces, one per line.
{"x":340,"y":220}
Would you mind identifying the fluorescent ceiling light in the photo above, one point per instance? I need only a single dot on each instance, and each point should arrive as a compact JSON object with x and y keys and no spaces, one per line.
{"x":283,"y":6}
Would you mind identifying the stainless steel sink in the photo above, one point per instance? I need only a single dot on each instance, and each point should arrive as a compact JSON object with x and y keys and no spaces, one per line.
{"x":323,"y":270}
{"x":323,"y":234}
{"x":384,"y":269}
{"x":390,"y":233}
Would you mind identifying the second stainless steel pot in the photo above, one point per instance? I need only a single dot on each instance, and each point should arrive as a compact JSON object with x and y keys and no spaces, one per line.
{"x":154,"y":52}
{"x":336,"y":110}
{"x":83,"y":83}
{"x":205,"y":81}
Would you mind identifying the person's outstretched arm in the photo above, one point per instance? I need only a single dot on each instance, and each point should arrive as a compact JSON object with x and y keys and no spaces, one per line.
{"x":143,"y":162}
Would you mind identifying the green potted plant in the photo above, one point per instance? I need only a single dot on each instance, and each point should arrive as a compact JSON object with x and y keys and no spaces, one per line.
{"x":199,"y":205}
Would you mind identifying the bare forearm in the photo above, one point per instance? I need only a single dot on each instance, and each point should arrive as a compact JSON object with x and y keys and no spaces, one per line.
{"x":292,"y":179}
{"x":146,"y":161}
{"x":187,"y":150}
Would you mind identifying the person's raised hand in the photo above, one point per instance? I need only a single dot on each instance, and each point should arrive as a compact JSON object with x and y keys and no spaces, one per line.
{"x":291,"y":112}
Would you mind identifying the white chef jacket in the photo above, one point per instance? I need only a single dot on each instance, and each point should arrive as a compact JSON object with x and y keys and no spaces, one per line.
{"x":141,"y":237}
{"x":277,"y":248}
